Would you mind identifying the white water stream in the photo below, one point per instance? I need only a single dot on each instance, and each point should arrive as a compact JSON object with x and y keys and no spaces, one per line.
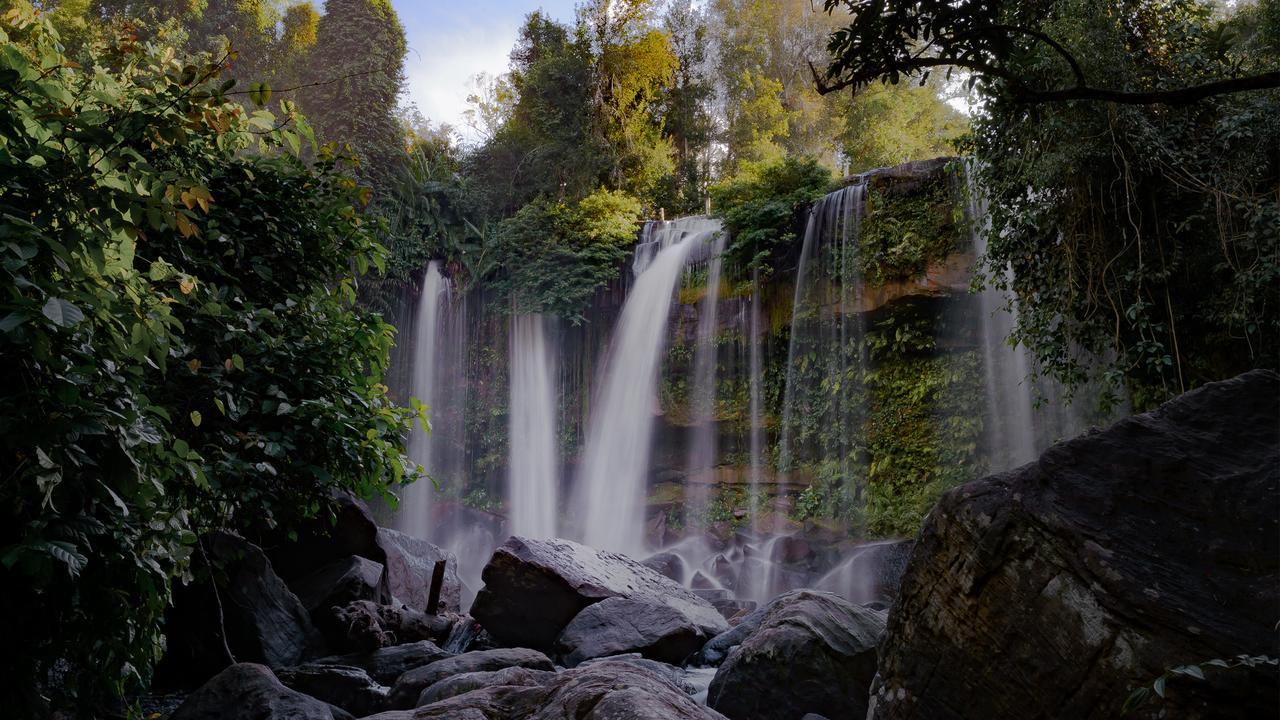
{"x":533,"y":467}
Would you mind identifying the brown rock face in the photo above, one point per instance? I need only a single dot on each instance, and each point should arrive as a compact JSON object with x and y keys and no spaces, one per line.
{"x":1053,"y":590}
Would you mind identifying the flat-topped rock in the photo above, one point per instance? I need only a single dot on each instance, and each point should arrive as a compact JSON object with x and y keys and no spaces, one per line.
{"x":534,"y":588}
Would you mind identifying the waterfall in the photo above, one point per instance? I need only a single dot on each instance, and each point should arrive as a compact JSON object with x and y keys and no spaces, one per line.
{"x":754,"y":380}
{"x":532,"y":469}
{"x":702,"y":400}
{"x":822,"y":394}
{"x":433,"y":295}
{"x":1026,"y":413}
{"x":612,"y":481}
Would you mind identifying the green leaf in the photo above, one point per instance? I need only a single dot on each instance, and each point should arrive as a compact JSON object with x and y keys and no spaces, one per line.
{"x":62,"y":313}
{"x":196,"y":418}
{"x":260,"y":93}
{"x":1158,"y":686}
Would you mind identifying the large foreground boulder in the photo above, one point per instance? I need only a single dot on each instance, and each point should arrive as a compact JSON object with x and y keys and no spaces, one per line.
{"x":812,"y":652}
{"x":618,"y":626}
{"x":251,"y":692}
{"x":533,"y":588}
{"x":409,"y":686}
{"x":606,"y":690}
{"x":241,"y":607}
{"x":1058,"y":588}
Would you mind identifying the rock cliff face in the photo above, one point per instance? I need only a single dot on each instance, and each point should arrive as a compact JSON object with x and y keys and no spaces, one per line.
{"x":1054,"y":590}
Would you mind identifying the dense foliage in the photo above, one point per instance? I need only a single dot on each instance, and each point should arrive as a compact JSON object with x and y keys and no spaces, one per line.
{"x":177,"y":321}
{"x":763,"y":206}
{"x":1141,"y":231}
{"x":557,"y":254}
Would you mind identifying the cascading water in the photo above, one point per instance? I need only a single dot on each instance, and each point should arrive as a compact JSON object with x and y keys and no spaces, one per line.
{"x":702,"y":402}
{"x":433,"y":295}
{"x":612,"y":480}
{"x":1025,"y":414}
{"x":822,"y":397}
{"x":533,"y":466}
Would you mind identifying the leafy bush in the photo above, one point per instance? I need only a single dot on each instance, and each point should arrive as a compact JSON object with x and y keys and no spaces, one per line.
{"x":556,"y":254}
{"x":182,"y":351}
{"x":761,"y":208}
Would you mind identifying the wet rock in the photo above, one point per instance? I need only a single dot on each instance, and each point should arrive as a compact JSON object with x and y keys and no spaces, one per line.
{"x":349,"y":688}
{"x":732,"y":608}
{"x":761,"y":578}
{"x":872,"y":572}
{"x":606,"y":690}
{"x":671,"y":673}
{"x":364,"y":626}
{"x":466,"y":682}
{"x":407,"y":688}
{"x":248,"y":691}
{"x":533,"y":588}
{"x":723,"y":569}
{"x":668,"y":564}
{"x":702,"y":581}
{"x":264,"y":621}
{"x":323,"y":540}
{"x":617,"y":626}
{"x":811,"y":652}
{"x":387,"y":664}
{"x":790,"y":549}
{"x":339,"y":583}
{"x":1054,"y":589}
{"x":410,"y":561}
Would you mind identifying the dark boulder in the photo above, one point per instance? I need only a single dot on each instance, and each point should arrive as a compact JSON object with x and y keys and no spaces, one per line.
{"x":871,"y":573}
{"x":251,"y":692}
{"x":1055,"y":589}
{"x":671,"y":673}
{"x":812,"y":652}
{"x":668,"y":564}
{"x":349,"y":688}
{"x":339,"y":583}
{"x":407,"y":688}
{"x":349,"y":531}
{"x":617,"y":626}
{"x":533,"y":588}
{"x":607,"y":690}
{"x":466,"y":682}
{"x":410,"y":561}
{"x":387,"y":664}
{"x":264,"y":621}
{"x":363,"y":626}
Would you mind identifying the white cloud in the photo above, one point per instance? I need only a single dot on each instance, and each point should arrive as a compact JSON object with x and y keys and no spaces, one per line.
{"x":442,"y":63}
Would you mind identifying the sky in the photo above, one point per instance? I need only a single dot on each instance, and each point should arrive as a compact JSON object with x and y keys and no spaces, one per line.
{"x":450,"y":41}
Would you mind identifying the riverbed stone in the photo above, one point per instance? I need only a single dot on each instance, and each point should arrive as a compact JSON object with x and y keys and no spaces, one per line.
{"x":516,"y":676}
{"x":410,"y":562}
{"x":384,"y":665}
{"x":609,"y":689}
{"x":617,"y":626}
{"x":811,"y":652}
{"x":1055,"y":589}
{"x":249,"y":611}
{"x":409,"y":686}
{"x":340,"y":582}
{"x":349,"y":688}
{"x":248,"y":691}
{"x":534,"y":588}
